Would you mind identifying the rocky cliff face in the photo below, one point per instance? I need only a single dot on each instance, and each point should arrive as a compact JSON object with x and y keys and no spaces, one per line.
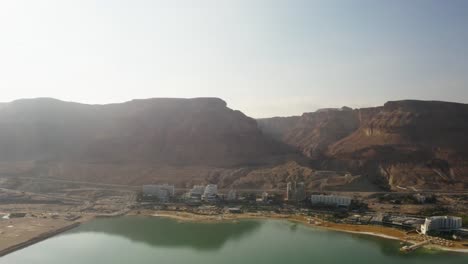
{"x":403,"y":144}
{"x":200,"y":131}
{"x":312,"y":133}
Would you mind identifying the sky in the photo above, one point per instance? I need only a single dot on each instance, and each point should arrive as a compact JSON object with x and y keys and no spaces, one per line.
{"x":264,"y":57}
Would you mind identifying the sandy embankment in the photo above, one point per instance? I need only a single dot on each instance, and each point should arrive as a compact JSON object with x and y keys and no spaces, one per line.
{"x":18,"y":233}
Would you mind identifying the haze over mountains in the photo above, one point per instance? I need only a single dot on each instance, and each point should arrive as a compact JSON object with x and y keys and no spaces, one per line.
{"x":402,"y":144}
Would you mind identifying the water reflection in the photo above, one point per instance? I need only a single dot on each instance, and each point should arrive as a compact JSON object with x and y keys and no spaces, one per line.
{"x":158,"y":232}
{"x":146,"y":240}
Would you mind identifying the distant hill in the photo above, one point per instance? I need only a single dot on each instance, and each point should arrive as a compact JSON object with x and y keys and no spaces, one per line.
{"x":417,"y":144}
{"x":201,"y":131}
{"x":131,"y":143}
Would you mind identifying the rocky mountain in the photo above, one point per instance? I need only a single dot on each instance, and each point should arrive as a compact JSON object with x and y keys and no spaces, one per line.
{"x":170,"y":131}
{"x":403,"y":144}
{"x":312,"y":133}
{"x":60,"y":139}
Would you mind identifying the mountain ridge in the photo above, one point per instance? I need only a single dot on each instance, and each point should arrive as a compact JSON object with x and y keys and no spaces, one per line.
{"x":154,"y":130}
{"x":414,"y":143}
{"x":408,"y":142}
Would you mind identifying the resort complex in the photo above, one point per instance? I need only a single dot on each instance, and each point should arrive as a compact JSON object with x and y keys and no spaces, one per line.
{"x":293,"y":200}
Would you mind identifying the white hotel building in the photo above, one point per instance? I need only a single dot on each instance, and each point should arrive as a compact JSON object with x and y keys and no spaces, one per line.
{"x":330,"y":200}
{"x":441,"y":223}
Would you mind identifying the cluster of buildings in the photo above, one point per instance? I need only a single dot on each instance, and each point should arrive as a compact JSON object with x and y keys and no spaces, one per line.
{"x":400,"y":221}
{"x":208,"y":193}
{"x":295,"y":192}
{"x":429,"y":225}
{"x":164,"y":192}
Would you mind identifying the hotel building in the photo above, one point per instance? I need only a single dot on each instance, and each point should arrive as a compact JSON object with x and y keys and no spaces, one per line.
{"x":441,"y":224}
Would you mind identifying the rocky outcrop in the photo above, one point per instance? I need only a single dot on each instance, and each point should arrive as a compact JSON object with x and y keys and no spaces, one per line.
{"x":312,"y":133}
{"x":422,"y":144}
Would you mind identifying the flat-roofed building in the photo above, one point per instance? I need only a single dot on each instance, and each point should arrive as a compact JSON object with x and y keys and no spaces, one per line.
{"x":333,"y":200}
{"x":441,"y":224}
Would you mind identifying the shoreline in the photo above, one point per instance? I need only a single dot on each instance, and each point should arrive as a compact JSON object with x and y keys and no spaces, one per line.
{"x":370,"y":230}
{"x":37,"y":239}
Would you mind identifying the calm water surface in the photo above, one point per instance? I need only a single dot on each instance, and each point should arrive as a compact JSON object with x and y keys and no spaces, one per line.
{"x":155,"y":240}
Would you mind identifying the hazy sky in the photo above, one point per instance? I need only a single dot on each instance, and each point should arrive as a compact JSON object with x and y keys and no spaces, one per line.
{"x":264,"y":58}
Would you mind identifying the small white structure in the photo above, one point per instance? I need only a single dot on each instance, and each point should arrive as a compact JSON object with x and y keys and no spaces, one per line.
{"x":265,"y":197}
{"x":441,"y":223}
{"x":163,"y":191}
{"x":330,"y":200}
{"x":211,"y":193}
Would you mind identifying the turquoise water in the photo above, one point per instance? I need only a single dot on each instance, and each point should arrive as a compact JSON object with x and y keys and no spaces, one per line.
{"x":156,"y":240}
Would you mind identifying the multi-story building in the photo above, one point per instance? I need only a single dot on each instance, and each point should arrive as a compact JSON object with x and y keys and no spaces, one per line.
{"x":441,"y":224}
{"x":211,"y":193}
{"x":333,"y":200}
{"x":162,"y":191}
{"x":295,"y":191}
